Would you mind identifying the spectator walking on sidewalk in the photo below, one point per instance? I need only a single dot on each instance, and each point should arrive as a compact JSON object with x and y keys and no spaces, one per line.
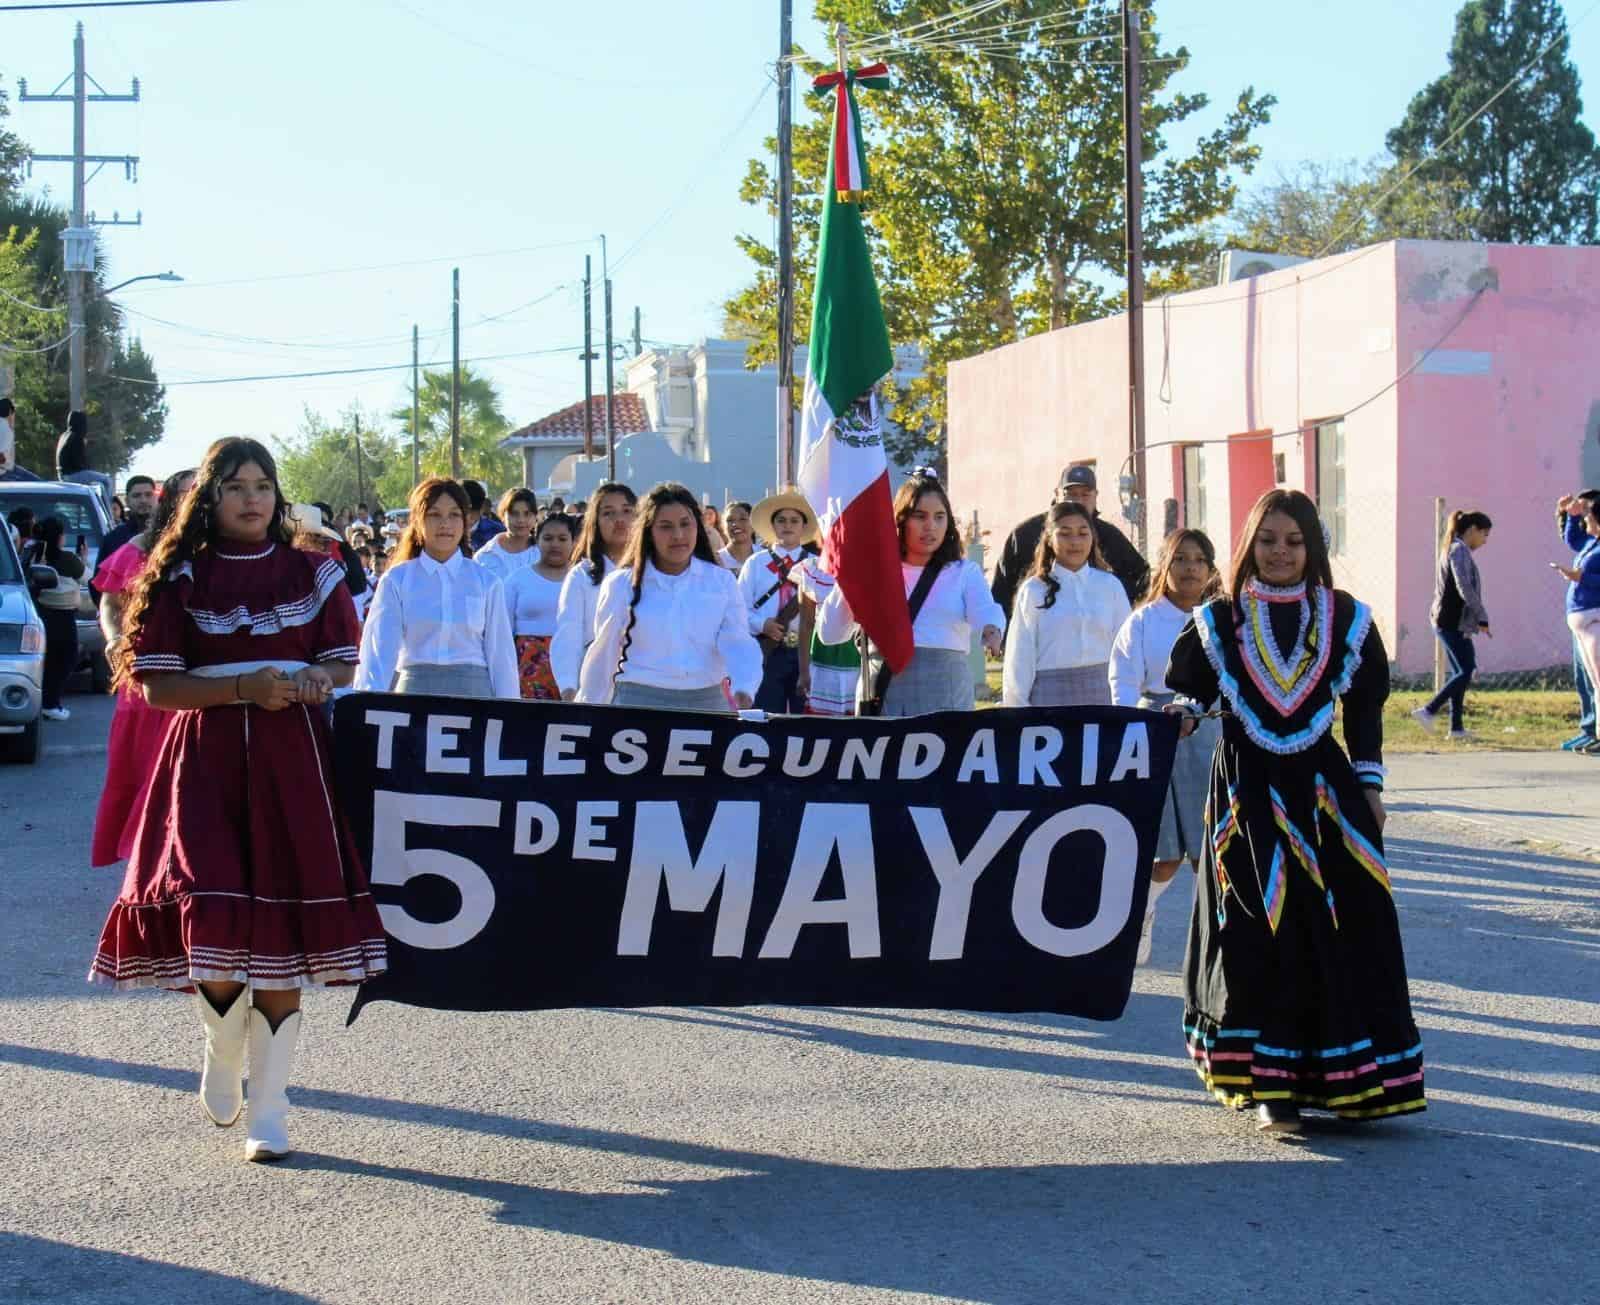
{"x":1458,"y":617}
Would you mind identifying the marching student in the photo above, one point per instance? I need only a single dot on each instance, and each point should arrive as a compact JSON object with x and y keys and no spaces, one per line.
{"x":715,"y":531}
{"x":948,"y":597}
{"x":512,"y":549}
{"x":741,"y":540}
{"x":671,"y":628}
{"x":533,"y":596}
{"x":1185,"y":575}
{"x":1295,"y":980}
{"x":1065,"y":618}
{"x":830,"y":673}
{"x":438,"y":623}
{"x":607,"y":529}
{"x":243,"y":872}
{"x":773,"y":600}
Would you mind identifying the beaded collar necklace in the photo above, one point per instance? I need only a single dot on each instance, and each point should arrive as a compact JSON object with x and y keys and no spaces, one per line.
{"x":1285,"y":681}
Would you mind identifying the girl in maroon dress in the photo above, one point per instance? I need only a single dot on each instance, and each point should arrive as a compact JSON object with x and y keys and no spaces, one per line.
{"x":243,"y":872}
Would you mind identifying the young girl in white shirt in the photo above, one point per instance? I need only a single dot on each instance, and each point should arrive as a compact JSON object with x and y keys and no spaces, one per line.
{"x":741,"y":537}
{"x":671,"y":628}
{"x":438,"y":623}
{"x":607,"y":528}
{"x":533,"y":595}
{"x":1185,"y":576}
{"x":1066,"y":615}
{"x":939,"y":675}
{"x":513,"y":549}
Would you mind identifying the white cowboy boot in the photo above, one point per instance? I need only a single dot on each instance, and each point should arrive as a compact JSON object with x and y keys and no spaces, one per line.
{"x":271,"y":1054}
{"x":222,"y":1078}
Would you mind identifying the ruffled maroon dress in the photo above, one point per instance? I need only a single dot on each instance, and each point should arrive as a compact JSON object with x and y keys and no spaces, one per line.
{"x":242,"y":868}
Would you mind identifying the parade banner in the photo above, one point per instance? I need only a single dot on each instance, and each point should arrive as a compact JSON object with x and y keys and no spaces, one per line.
{"x":530,"y":855}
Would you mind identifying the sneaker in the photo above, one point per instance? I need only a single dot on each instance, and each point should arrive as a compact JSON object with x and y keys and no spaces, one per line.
{"x":1578,"y":742}
{"x":1590,"y":749}
{"x":1424,"y":718}
{"x":1277,"y":1117}
{"x":1461,"y":736}
{"x":56,"y":713}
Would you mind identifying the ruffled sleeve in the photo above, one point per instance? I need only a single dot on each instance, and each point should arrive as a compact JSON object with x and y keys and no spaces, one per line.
{"x":1363,"y":711}
{"x":337,"y":634}
{"x":121,"y":569}
{"x":161,"y":645}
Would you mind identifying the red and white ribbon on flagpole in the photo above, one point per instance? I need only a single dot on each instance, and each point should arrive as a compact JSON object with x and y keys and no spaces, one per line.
{"x":849,"y":171}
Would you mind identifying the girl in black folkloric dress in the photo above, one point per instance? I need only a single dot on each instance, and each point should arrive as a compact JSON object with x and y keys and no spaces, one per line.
{"x":1295,"y":983}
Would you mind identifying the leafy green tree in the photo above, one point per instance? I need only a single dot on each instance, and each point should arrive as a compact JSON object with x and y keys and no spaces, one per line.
{"x":483,"y":426}
{"x":13,"y":153}
{"x":318,"y":463}
{"x":997,"y":169}
{"x":1529,"y":166}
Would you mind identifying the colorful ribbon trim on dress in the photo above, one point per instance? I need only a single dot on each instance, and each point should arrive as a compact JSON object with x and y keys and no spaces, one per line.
{"x":1223,"y":832}
{"x":1305,"y":851}
{"x":1370,"y":859}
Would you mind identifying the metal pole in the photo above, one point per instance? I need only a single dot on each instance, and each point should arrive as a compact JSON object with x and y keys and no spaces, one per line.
{"x":787,"y":453}
{"x":1441,"y":526}
{"x":611,"y":417}
{"x":1133,"y":130}
{"x":455,"y":374}
{"x":361,"y":479}
{"x":416,"y":453}
{"x":638,"y":331}
{"x":77,"y":282}
{"x":588,"y":356}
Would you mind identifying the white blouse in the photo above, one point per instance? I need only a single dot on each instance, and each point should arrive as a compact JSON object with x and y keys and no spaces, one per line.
{"x":501,"y":562}
{"x":756,"y":580}
{"x":429,"y":613}
{"x":726,"y":557}
{"x":575,"y":623}
{"x":958,"y":604}
{"x":687,"y":631}
{"x":533,"y":601}
{"x":1143,"y":647}
{"x":1078,"y":629}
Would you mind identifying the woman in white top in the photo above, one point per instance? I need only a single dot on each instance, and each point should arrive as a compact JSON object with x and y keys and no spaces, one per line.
{"x":1066,"y":615}
{"x":671,"y":629}
{"x":1185,"y":576}
{"x":438,"y":622}
{"x":741,"y":538}
{"x":607,"y":528}
{"x":533,"y":596}
{"x":939,"y":676}
{"x":513,"y":549}
{"x":715,"y":531}
{"x":788,"y":520}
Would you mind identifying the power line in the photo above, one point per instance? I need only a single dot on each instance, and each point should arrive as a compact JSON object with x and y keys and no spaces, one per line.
{"x":337,"y":371}
{"x":65,"y":339}
{"x":33,"y":308}
{"x":106,"y":4}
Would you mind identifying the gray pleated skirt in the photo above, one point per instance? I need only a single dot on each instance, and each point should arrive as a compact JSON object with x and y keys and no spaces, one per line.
{"x":446,"y":681}
{"x":627,"y":694}
{"x":1183,"y":812}
{"x":938,"y":679}
{"x":1075,"y":686}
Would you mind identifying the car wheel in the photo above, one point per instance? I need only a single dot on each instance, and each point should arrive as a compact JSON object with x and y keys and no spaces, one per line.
{"x":24,"y":747}
{"x":100,"y":673}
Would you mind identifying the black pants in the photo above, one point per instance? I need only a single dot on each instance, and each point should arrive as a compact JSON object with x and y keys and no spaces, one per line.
{"x":60,"y":651}
{"x":1463,"y":659}
{"x":780,"y":683}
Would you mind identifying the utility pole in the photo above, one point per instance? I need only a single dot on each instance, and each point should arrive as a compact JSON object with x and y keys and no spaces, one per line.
{"x":611,"y":416}
{"x":416,"y":456}
{"x":638,"y":331}
{"x":455,"y":374}
{"x":588,"y":356}
{"x":79,"y":237}
{"x":1133,"y":200}
{"x":361,"y":478}
{"x":785,"y":395}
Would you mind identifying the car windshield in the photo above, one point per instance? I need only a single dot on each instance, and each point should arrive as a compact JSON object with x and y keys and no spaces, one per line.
{"x":10,"y":569}
{"x":76,"y":510}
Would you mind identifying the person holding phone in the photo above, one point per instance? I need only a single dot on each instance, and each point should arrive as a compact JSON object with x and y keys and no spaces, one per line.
{"x":1582,"y":533}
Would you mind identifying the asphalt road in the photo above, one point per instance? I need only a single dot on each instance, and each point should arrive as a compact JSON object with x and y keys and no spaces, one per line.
{"x":795,"y":1155}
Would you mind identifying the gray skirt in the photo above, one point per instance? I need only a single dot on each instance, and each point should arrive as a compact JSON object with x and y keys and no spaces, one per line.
{"x":938,"y":679}
{"x":628,"y":694}
{"x":1076,"y":686}
{"x":446,"y":681}
{"x":1183,"y":813}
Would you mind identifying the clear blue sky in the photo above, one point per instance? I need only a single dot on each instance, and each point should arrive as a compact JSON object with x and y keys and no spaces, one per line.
{"x":290,"y":137}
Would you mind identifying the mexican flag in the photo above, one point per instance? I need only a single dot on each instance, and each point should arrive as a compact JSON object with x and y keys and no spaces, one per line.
{"x":843,"y":470}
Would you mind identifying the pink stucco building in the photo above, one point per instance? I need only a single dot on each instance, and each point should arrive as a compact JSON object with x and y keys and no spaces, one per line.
{"x":1377,"y":381}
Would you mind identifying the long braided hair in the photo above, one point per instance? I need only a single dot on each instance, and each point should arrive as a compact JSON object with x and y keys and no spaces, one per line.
{"x":591,"y":545}
{"x":1044,"y":557}
{"x":192,"y":532}
{"x":642,"y":547}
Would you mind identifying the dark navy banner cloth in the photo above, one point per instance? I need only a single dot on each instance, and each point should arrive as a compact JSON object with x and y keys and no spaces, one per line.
{"x":530,"y":855}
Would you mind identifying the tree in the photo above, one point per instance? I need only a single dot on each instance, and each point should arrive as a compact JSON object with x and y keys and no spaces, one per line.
{"x":24,"y":329}
{"x":13,"y":153}
{"x":483,"y":426}
{"x":318,"y":464}
{"x":1529,"y":167}
{"x":997,"y":170}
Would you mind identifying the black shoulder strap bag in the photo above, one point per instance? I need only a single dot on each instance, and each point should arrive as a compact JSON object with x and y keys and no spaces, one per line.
{"x":873,"y":706}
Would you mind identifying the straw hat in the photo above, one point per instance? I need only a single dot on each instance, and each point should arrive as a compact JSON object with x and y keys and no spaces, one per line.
{"x":763,"y":512}
{"x":308,"y":517}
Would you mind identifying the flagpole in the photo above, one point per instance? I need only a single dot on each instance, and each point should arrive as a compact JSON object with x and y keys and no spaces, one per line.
{"x":787,"y":452}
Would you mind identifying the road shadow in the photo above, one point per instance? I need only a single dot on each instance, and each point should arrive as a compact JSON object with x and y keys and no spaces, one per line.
{"x":40,"y":1269}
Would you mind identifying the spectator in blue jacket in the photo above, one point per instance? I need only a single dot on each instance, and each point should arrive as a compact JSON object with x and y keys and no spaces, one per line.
{"x":1580,"y":530}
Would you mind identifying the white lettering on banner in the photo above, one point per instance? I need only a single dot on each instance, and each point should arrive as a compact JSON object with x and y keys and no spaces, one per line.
{"x":1089,"y":766}
{"x":442,"y":731}
{"x":559,"y":743}
{"x":920,"y":755}
{"x":661,"y":851}
{"x":980,"y":759}
{"x":529,"y":814}
{"x":824,"y":827}
{"x":753,"y":745}
{"x":798,"y":768}
{"x":1041,"y":744}
{"x":493,"y":762}
{"x":387,"y":722}
{"x":681,"y":760}
{"x":868,"y":758}
{"x":393,"y":864}
{"x":627,"y":755}
{"x":585,"y":841}
{"x":1117,"y":872}
{"x":1134,"y":757}
{"x":956,"y":876}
